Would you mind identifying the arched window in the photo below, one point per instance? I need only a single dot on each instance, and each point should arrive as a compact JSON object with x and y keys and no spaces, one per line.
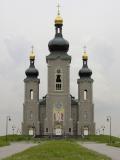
{"x":85,"y":63}
{"x":31,"y":94}
{"x":46,"y":129}
{"x":85,"y":95}
{"x":58,"y":30}
{"x":58,"y":79}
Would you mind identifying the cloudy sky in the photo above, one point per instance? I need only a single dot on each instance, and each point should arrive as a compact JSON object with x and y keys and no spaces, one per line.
{"x":94,"y":23}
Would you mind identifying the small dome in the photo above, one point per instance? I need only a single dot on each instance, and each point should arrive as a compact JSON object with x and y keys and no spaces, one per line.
{"x":32,"y":72}
{"x":85,"y":72}
{"x":58,"y":20}
{"x":58,"y":44}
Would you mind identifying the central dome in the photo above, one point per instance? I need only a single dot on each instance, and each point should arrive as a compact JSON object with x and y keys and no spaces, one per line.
{"x":58,"y":44}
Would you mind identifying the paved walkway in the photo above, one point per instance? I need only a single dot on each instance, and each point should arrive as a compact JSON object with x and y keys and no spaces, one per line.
{"x":112,"y":152}
{"x":14,"y":148}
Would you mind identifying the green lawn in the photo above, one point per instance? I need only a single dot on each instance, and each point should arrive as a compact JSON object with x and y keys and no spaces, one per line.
{"x":3,"y":142}
{"x":13,"y":138}
{"x":58,"y":150}
{"x":115,"y":141}
{"x":94,"y":138}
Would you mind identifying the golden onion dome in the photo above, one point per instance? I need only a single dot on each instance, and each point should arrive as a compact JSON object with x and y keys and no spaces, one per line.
{"x":58,"y":20}
{"x":32,"y":54}
{"x":85,"y":56}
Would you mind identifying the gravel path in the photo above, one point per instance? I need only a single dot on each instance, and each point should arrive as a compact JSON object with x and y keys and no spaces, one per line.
{"x":112,"y":152}
{"x":14,"y":148}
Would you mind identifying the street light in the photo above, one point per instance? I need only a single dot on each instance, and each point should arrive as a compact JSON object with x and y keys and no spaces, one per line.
{"x":109,"y":120}
{"x":7,"y":120}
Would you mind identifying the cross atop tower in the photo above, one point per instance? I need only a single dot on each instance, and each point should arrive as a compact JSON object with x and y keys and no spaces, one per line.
{"x":58,"y":6}
{"x":32,"y":54}
{"x":85,"y":49}
{"x":32,"y":49}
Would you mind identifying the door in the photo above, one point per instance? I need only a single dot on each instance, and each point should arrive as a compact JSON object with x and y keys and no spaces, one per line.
{"x":31,"y":131}
{"x":58,"y":132}
{"x":86,"y":131}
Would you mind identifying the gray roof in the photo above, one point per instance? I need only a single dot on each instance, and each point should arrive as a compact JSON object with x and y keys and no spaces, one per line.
{"x":74,"y":101}
{"x":43,"y":101}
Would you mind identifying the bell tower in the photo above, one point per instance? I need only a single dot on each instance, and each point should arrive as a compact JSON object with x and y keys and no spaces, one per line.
{"x":30,"y":125}
{"x":86,"y":125}
{"x":58,"y":101}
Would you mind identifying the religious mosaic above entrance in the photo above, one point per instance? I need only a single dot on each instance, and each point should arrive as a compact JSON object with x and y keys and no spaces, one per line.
{"x":58,"y":118}
{"x":58,"y":113}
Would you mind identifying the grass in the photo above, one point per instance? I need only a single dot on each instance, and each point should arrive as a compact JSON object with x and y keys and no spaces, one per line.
{"x":13,"y":138}
{"x":58,"y":150}
{"x":115,"y":141}
{"x":93,"y":138}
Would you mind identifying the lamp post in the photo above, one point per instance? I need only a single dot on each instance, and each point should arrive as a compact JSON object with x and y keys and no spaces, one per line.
{"x":7,"y":120}
{"x":109,"y":120}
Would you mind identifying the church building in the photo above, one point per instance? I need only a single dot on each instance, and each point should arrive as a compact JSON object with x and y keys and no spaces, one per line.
{"x":58,"y":113}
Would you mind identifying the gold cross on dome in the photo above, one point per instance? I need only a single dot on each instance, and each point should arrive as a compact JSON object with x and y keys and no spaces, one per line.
{"x":58,"y":6}
{"x":85,"y":49}
{"x":32,"y":49}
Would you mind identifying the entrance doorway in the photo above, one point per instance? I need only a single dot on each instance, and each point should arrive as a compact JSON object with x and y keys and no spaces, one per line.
{"x":58,"y":131}
{"x":31,"y":132}
{"x":86,"y":131}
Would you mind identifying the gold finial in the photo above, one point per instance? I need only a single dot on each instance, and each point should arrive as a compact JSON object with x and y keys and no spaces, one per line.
{"x":58,"y":19}
{"x":85,"y":55}
{"x":32,"y":54}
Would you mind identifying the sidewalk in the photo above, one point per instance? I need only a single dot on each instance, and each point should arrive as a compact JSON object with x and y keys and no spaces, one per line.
{"x":14,"y":148}
{"x":112,"y":152}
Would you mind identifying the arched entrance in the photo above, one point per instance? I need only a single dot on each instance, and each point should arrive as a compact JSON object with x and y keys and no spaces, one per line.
{"x":58,"y":130}
{"x":31,"y":131}
{"x":86,"y":131}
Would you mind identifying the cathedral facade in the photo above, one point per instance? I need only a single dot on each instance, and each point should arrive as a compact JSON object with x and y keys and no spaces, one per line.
{"x":58,"y":113}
